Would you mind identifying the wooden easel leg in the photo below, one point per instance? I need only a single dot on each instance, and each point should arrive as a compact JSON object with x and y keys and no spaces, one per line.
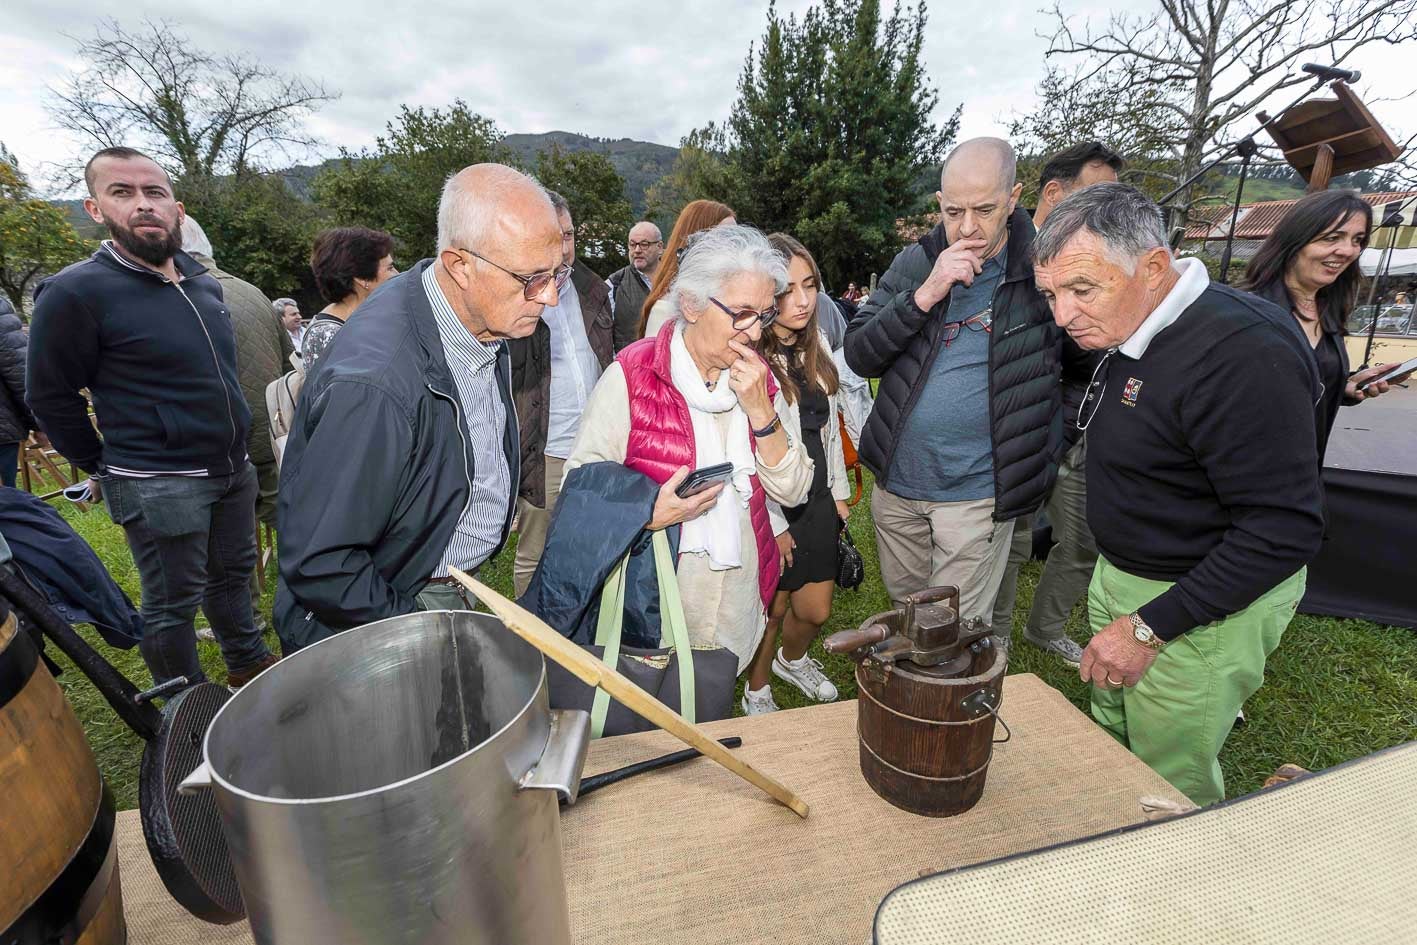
{"x":1323,"y":169}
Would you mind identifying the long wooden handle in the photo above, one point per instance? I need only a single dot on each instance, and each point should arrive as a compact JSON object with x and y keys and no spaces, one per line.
{"x":593,"y":672}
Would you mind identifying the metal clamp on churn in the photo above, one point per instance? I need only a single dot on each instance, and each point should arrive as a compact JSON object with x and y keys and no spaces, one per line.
{"x":930,"y":688}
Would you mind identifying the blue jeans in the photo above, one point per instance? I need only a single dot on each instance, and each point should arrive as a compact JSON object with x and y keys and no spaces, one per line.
{"x":194,"y":542}
{"x":9,"y":463}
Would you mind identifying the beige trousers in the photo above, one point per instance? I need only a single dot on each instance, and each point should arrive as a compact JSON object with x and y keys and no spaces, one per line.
{"x":532,"y":524}
{"x":928,"y":544}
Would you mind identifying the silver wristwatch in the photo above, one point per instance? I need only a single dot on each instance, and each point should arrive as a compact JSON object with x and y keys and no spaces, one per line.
{"x":1143,"y":633}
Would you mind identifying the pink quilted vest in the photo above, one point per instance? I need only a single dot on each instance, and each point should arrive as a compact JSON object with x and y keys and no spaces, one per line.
{"x":662,"y":438}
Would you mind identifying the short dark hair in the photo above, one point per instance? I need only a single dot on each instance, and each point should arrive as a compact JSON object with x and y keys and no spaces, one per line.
{"x":119,"y":153}
{"x":344,"y":254}
{"x":1066,"y":165}
{"x":558,"y":203}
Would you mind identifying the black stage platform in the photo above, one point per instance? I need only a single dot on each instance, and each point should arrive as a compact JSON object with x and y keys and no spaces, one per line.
{"x":1368,"y":565}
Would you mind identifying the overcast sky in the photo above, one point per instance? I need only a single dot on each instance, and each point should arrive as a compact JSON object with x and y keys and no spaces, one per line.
{"x":643,"y":70}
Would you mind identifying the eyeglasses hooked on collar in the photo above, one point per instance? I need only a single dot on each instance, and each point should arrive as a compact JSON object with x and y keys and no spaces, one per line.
{"x":533,"y":285}
{"x":745,"y":319}
{"x":1095,"y":389}
{"x":984,"y":322}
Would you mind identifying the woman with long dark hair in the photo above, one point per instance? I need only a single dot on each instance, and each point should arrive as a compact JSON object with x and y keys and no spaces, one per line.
{"x":800,"y":358}
{"x":697,"y":216}
{"x":1309,"y":266}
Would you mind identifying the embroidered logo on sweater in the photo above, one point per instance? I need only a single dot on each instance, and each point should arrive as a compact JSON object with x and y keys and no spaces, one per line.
{"x":1131,"y":392}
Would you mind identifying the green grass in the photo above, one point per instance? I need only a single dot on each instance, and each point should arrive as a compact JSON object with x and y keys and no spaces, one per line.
{"x":1336,"y":689}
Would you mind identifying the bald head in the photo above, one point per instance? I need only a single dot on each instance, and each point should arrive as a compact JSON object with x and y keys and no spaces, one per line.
{"x":487,"y":203}
{"x":983,"y":159}
{"x":646,"y":246}
{"x":978,"y":192}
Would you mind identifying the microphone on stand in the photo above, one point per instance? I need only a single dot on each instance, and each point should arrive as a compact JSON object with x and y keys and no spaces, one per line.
{"x":1331,"y":73}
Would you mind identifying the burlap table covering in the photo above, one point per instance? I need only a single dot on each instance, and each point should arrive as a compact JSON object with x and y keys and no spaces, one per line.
{"x":694,"y":855}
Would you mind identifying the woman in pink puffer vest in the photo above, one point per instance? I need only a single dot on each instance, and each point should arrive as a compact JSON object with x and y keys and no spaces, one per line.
{"x":695,"y":395}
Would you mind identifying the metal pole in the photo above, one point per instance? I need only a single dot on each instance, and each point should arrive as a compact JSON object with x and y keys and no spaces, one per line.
{"x":1248,"y":149}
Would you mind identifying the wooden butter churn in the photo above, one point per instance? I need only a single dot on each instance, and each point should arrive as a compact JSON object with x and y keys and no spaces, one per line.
{"x":930,"y":689}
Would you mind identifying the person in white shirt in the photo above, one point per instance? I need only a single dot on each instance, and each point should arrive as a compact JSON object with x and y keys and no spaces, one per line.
{"x":553,"y":372}
{"x":289,"y":314}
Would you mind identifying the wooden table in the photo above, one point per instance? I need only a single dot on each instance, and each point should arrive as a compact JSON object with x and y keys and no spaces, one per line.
{"x":694,"y":855}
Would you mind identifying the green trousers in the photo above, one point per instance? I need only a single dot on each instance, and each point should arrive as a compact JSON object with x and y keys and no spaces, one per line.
{"x":1178,"y":717}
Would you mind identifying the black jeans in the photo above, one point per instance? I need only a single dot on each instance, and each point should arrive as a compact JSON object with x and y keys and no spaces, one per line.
{"x":194,"y":542}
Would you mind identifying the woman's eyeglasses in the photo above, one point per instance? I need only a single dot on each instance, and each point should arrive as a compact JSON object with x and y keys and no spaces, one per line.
{"x":535,"y":284}
{"x":984,"y":322}
{"x":745,"y":319}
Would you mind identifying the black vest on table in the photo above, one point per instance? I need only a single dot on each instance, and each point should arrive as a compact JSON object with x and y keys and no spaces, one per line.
{"x":630,"y":295}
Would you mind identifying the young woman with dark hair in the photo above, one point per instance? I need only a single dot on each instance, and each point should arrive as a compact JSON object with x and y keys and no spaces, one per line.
{"x":349,"y":263}
{"x":800,"y":358}
{"x":697,"y":216}
{"x":1309,"y":266}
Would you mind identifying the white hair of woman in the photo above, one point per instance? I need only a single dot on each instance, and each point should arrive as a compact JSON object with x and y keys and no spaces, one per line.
{"x":716,"y":255}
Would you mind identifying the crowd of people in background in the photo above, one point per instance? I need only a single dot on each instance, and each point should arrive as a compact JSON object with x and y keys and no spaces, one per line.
{"x":1060,"y":365}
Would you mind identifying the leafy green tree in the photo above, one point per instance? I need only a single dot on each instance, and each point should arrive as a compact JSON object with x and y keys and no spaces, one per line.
{"x":596,"y":194}
{"x":259,"y":230}
{"x":36,"y":239}
{"x":396,"y":186}
{"x":830,"y":132}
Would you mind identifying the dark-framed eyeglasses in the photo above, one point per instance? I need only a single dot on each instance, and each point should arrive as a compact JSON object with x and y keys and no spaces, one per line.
{"x":535,"y":284}
{"x":984,"y":322}
{"x":745,"y":319}
{"x":1096,"y":387}
{"x":645,"y":244}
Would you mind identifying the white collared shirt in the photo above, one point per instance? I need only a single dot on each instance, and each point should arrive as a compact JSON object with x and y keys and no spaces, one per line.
{"x":1194,"y":280}
{"x":574,"y":371}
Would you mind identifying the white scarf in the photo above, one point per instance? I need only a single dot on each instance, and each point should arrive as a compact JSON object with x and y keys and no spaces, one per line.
{"x":717,"y":532}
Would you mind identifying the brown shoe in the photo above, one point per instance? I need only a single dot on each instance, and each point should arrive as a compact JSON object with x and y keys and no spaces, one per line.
{"x":235,"y":679}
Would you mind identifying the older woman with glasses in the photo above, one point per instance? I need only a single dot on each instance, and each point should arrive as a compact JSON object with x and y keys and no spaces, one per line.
{"x":697,"y":395}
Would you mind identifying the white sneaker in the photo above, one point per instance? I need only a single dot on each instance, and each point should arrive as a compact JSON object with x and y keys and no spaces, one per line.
{"x":206,"y":633}
{"x":806,"y":674}
{"x":758,"y":701}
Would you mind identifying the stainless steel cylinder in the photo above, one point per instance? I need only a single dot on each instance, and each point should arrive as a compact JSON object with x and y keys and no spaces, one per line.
{"x":397,"y":783}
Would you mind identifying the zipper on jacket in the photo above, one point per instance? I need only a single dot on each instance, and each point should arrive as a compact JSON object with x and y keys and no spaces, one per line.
{"x":216,"y":362}
{"x":462,"y":438}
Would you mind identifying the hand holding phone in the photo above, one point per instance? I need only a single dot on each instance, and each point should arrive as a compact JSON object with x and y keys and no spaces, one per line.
{"x":703,"y":477}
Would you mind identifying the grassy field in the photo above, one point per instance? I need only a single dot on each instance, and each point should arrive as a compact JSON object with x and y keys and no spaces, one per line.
{"x":1336,"y":689}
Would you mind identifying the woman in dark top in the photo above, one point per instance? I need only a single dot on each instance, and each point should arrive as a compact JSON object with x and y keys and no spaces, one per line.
{"x":1309,"y":266}
{"x":801,"y":360}
{"x":349,"y":263}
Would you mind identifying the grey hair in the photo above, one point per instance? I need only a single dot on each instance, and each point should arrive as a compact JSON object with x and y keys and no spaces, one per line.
{"x":649,"y":223}
{"x":715,"y":255}
{"x":466,"y":215}
{"x":1126,"y":220}
{"x":558,"y":203}
{"x":194,"y":239}
{"x":278,"y":306}
{"x":998,"y":149}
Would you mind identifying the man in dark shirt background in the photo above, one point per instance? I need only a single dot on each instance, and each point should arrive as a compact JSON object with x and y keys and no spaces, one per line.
{"x":1202,"y":479}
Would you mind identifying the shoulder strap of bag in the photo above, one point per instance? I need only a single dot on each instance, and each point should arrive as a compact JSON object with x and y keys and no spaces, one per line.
{"x":673,"y":628}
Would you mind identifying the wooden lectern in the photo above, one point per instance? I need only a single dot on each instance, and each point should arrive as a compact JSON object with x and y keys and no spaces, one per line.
{"x":1325,"y":137}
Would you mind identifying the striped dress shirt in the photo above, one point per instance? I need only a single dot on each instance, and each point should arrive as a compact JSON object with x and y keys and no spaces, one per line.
{"x":484,"y":423}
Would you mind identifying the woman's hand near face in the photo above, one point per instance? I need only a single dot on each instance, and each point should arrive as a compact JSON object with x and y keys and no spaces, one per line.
{"x":748,"y":376}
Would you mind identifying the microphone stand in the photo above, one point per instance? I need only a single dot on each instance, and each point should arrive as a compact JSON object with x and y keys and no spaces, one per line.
{"x":1391,"y":221}
{"x":1246,"y":147}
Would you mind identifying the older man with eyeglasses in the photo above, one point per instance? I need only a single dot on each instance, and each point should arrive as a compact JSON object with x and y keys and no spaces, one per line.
{"x":966,"y":428}
{"x":1202,"y":479}
{"x":629,"y":287}
{"x":404,"y":459}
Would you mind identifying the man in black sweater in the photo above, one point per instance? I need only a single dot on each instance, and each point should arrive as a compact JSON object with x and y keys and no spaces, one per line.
{"x":143,"y":326}
{"x":1202,"y":479}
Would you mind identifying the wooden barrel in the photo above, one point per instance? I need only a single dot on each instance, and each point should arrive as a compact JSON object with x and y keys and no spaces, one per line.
{"x":926,"y":739}
{"x":58,"y":859}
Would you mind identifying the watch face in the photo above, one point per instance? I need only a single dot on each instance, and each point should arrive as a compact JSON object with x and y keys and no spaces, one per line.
{"x":1143,"y":634}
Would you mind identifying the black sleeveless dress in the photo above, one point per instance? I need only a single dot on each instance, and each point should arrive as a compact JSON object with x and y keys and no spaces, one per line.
{"x":813,"y":524}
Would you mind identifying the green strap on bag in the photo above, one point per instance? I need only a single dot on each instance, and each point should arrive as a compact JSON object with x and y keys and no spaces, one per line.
{"x":674,"y":629}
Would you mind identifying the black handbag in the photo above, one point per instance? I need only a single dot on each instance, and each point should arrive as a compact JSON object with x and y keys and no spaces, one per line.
{"x":850,"y":568}
{"x":696,"y":683}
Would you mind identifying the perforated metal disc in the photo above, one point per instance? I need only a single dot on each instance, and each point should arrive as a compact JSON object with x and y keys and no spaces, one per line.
{"x":183,"y":831}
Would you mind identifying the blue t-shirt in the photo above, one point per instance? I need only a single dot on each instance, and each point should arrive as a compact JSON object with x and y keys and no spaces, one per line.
{"x":945,"y":450}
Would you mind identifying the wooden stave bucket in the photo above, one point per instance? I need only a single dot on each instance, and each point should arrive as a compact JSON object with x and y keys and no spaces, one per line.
{"x":58,"y":853}
{"x":921,"y":748}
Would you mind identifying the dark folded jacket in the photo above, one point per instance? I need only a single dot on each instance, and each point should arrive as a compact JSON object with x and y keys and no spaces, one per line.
{"x":61,"y":566}
{"x":601,"y":514}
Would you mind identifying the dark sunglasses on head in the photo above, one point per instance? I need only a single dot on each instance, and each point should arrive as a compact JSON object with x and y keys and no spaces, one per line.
{"x":745,"y":319}
{"x":534,"y":284}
